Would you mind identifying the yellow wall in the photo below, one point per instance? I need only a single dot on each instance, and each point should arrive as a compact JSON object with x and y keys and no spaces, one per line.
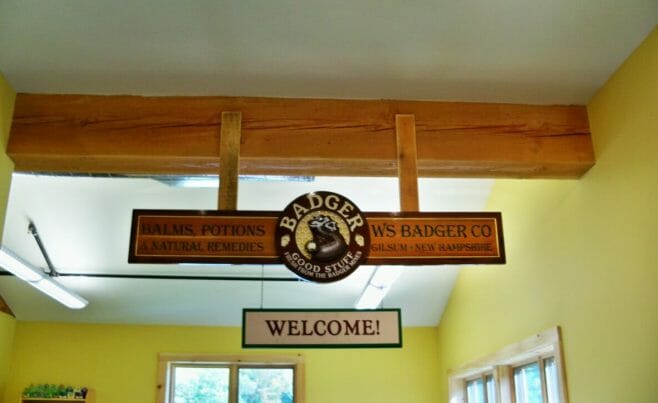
{"x":582,"y":254}
{"x":119,"y":362}
{"x":7,"y":323}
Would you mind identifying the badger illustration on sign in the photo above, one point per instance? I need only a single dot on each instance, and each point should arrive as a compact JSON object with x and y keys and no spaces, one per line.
{"x":322,"y":237}
{"x":328,"y":244}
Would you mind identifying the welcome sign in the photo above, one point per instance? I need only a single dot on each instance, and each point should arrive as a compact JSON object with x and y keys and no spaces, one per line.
{"x":281,"y":328}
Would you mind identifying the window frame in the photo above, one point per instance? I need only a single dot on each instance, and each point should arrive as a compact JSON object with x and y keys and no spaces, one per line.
{"x":167,"y":361}
{"x":537,"y":348}
{"x":541,"y":364}
{"x":483,"y":376}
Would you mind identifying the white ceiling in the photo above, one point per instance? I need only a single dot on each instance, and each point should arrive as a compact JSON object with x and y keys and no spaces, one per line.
{"x":85,"y":225}
{"x":557,"y":51}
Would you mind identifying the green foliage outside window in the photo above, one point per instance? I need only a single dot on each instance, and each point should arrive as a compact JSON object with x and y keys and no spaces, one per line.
{"x":211,"y":385}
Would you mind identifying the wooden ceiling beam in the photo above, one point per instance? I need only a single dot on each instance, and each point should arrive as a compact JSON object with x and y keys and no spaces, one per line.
{"x":178,"y":135}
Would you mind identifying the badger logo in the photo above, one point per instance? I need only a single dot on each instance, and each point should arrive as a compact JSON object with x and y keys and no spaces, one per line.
{"x":328,"y":244}
{"x":322,"y":237}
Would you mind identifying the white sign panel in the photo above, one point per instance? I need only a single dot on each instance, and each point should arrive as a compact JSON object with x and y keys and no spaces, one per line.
{"x":283,"y":328}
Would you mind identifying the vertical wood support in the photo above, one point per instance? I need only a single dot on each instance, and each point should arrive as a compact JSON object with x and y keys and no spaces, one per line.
{"x":405,"y":129}
{"x":560,"y":365}
{"x":4,"y":307}
{"x":161,"y":387}
{"x":233,"y":384}
{"x":229,"y":160}
{"x":503,"y":377}
{"x":457,"y":390}
{"x":300,"y":381}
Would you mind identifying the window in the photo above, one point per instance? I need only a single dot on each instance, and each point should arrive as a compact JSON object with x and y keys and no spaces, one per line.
{"x":475,"y":391}
{"x":481,"y":389}
{"x":530,"y":371}
{"x":527,"y":384}
{"x":230,"y":379}
{"x":491,"y":389}
{"x":199,"y":383}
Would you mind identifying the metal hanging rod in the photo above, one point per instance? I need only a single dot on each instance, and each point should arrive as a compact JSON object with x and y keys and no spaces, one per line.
{"x":172,"y":277}
{"x":32,"y":229}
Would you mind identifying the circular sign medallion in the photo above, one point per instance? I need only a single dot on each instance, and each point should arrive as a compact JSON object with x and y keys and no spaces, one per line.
{"x":322,"y":237}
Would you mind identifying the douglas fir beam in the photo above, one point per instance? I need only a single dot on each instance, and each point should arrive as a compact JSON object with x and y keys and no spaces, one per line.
{"x":229,"y":157}
{"x":178,"y":135}
{"x":405,"y":128}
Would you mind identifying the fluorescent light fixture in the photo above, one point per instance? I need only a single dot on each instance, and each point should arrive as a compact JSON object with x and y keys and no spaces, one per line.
{"x":378,"y":286}
{"x":18,"y":267}
{"x":59,"y":293}
{"x":36,"y":278}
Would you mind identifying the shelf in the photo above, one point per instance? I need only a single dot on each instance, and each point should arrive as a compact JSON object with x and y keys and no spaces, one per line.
{"x":88,"y":399}
{"x":51,"y":399}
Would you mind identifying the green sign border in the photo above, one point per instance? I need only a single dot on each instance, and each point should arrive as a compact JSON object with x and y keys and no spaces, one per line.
{"x":320,"y":346}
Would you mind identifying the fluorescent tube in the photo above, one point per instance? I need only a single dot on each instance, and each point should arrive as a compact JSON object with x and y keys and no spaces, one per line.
{"x":56,"y":291}
{"x":18,"y":267}
{"x":36,"y":278}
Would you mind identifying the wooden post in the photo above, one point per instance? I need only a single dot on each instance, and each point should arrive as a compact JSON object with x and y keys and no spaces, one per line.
{"x":5,"y":308}
{"x":503,"y":377}
{"x":229,"y":160}
{"x":405,"y":128}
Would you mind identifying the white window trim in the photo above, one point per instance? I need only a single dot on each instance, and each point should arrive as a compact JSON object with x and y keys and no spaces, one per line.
{"x":165,"y":361}
{"x":545,"y":344}
{"x":482,"y":376}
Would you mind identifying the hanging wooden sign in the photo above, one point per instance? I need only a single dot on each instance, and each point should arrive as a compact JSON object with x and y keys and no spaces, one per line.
{"x":182,"y":236}
{"x":187,"y":236}
{"x":320,"y":236}
{"x":436,"y":238}
{"x":343,"y":328}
